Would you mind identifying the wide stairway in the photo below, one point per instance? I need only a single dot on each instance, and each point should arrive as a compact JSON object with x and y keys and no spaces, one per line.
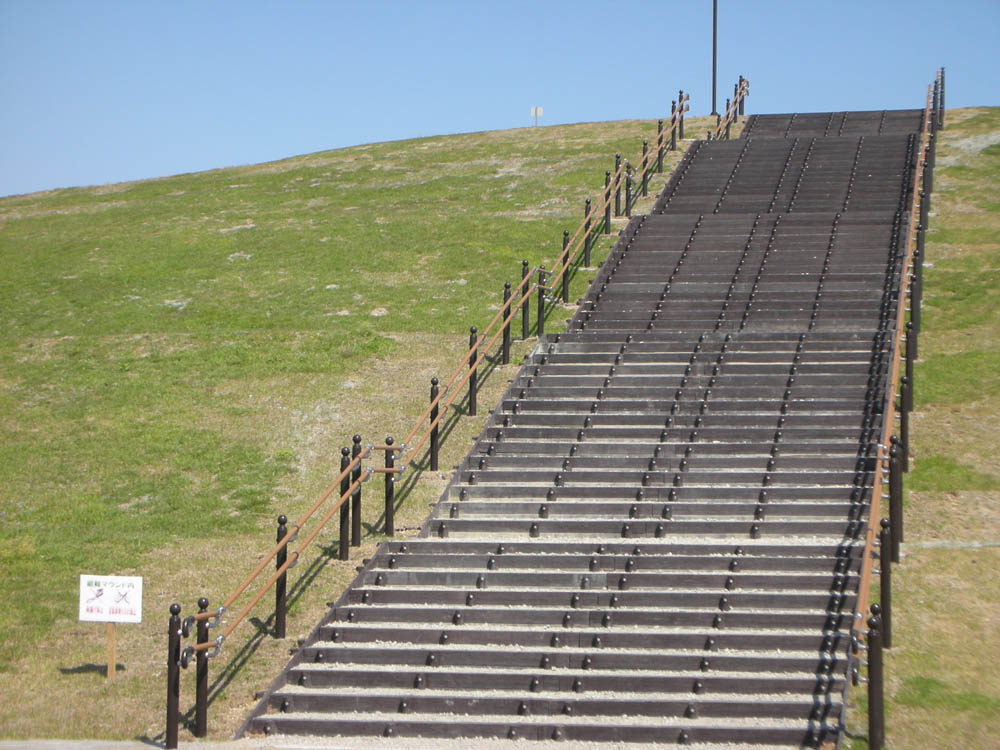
{"x":656,"y":537}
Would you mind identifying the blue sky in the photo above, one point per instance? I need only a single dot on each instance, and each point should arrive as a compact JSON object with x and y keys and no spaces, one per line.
{"x":97,"y":91}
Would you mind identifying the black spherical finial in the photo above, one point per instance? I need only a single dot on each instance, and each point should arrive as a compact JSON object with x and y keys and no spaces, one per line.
{"x":203,"y":604}
{"x":175,"y":609}
{"x":345,"y":451}
{"x":434,"y":381}
{"x":282,"y":519}
{"x":389,"y":440}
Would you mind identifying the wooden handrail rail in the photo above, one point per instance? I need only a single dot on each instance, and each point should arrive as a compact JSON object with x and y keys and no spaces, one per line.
{"x":576,"y":241}
{"x":731,"y":113}
{"x":294,"y":529}
{"x":281,"y":569}
{"x":483,"y":352}
{"x":515,"y":304}
{"x":573,"y":249}
{"x":889,"y":412}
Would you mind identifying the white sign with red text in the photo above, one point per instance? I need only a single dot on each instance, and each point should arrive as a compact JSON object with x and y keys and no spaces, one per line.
{"x":110,"y":598}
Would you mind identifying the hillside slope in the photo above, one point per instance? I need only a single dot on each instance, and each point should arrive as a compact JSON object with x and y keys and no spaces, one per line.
{"x":182,"y":359}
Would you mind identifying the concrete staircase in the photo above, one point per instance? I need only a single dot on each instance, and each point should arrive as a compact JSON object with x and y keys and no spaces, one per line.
{"x":655,"y":538}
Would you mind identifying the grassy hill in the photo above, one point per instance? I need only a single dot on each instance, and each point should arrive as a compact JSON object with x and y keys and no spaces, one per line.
{"x":941,"y":688}
{"x":183,"y":358}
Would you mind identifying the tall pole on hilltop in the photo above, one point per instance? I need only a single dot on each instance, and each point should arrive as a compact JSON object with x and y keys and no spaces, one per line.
{"x":715,"y":47}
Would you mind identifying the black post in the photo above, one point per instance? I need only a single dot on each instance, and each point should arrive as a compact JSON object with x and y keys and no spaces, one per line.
{"x":541,"y":301}
{"x":173,"y":674}
{"x":917,"y":289}
{"x":895,"y":502}
{"x":920,"y":250}
{"x":904,"y":426}
{"x":911,"y":337}
{"x":607,"y":202}
{"x":876,"y":710}
{"x":729,"y":120}
{"x":908,"y":399}
{"x":434,"y":429}
{"x":680,"y":113}
{"x":628,"y":192}
{"x":281,"y":583}
{"x":473,"y":371}
{"x":345,"y":506}
{"x":586,"y":234}
{"x":924,"y":207}
{"x":941,"y":100}
{"x":659,"y":146}
{"x":715,"y":47}
{"x":201,"y":675}
{"x":934,"y":107}
{"x":356,"y":495}
{"x":525,"y":312}
{"x":885,"y":581}
{"x":505,"y":345}
{"x":741,"y":95}
{"x":565,"y":261}
{"x":928,"y":175}
{"x":618,"y":185}
{"x":645,"y":168}
{"x":390,"y":480}
{"x":673,"y":124}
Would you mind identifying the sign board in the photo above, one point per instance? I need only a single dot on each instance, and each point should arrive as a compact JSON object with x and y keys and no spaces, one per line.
{"x":110,"y":598}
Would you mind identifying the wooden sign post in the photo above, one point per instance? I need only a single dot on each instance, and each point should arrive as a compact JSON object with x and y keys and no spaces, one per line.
{"x":110,"y":599}
{"x":111,"y":650}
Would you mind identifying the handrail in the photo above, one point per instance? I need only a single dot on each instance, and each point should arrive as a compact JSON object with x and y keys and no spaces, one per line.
{"x":576,"y":242}
{"x":449,"y":390}
{"x":733,"y":109}
{"x":616,"y":179}
{"x":889,"y":412}
{"x":281,"y":569}
{"x":453,"y":392}
{"x":285,"y":540}
{"x":512,"y":303}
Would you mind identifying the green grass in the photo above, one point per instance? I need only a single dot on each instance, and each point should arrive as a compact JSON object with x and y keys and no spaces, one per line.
{"x":943,"y":474}
{"x":920,"y":691}
{"x":182,"y":358}
{"x":959,"y":378}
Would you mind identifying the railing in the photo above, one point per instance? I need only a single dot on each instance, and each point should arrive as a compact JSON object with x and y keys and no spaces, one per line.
{"x":349,"y":481}
{"x":733,"y":111}
{"x":891,"y":457}
{"x":575,"y":254}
